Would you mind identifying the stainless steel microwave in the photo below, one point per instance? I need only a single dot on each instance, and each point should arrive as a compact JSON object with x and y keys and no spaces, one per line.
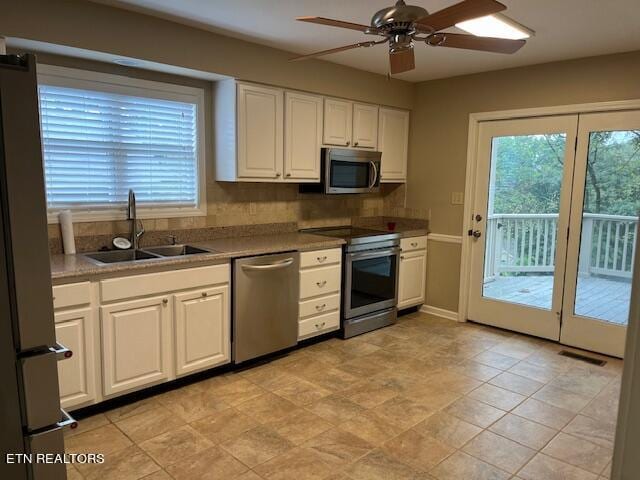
{"x":347,"y":171}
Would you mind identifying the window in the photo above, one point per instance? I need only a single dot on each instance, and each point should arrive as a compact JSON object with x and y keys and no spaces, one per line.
{"x":105,"y":134}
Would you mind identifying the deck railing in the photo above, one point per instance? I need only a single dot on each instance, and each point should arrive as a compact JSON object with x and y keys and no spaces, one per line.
{"x":527,"y":243}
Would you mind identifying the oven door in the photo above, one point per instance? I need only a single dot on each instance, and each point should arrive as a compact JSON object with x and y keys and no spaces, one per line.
{"x":371,"y":281}
{"x":352,"y":175}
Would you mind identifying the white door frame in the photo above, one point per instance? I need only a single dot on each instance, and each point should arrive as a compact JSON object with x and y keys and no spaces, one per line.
{"x":472,"y":146}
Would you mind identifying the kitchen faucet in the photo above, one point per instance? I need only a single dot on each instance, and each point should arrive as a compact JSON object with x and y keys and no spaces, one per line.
{"x":135,"y":234}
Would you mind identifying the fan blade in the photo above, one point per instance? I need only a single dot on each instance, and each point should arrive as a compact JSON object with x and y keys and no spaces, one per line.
{"x":402,"y":61}
{"x":459,"y":12}
{"x":332,"y":50}
{"x":336,"y":23}
{"x":471,"y":42}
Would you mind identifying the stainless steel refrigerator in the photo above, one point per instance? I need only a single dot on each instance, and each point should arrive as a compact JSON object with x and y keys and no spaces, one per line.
{"x":31,"y":419}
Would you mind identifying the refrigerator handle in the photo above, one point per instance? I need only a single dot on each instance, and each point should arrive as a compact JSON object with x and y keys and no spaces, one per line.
{"x":67,"y":421}
{"x":61,"y":351}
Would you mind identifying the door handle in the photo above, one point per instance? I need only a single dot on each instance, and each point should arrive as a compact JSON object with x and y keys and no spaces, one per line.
{"x":375,"y":174}
{"x":474,"y":233}
{"x":269,"y":266}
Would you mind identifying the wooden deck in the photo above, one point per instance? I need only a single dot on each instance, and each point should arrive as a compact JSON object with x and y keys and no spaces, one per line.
{"x":601,"y":298}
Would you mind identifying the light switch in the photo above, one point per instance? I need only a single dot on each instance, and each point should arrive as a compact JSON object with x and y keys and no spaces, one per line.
{"x":457,"y":198}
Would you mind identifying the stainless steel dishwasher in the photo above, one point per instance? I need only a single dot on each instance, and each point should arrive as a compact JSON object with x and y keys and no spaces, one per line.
{"x":265,"y":304}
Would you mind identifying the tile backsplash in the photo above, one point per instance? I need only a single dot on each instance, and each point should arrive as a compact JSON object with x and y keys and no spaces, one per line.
{"x":247,"y":204}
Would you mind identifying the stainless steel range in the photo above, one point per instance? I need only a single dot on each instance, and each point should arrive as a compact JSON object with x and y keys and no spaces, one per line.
{"x":369,"y":277}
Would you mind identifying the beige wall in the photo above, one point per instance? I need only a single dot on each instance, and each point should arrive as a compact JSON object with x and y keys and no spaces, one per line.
{"x":91,"y":26}
{"x":438,"y":150}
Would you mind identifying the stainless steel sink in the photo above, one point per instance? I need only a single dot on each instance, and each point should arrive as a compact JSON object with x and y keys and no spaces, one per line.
{"x":175,"y":250}
{"x":116,"y":256}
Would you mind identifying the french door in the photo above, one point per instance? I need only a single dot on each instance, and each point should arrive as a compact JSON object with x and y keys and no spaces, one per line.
{"x":555,"y":226}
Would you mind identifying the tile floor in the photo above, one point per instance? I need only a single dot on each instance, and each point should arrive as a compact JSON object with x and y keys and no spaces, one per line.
{"x":424,"y":399}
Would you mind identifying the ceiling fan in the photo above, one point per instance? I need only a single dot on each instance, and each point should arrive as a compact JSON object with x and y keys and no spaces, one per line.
{"x":402,"y":25}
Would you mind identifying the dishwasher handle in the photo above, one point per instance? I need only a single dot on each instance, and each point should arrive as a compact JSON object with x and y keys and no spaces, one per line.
{"x":270,"y":266}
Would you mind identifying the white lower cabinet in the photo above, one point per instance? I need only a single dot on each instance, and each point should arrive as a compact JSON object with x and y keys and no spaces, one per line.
{"x":136,"y":343}
{"x":76,"y":375}
{"x":201,"y":326}
{"x":319,"y":307}
{"x":413,"y":272}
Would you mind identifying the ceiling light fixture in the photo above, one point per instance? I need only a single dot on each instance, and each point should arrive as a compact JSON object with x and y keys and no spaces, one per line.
{"x":497,"y":26}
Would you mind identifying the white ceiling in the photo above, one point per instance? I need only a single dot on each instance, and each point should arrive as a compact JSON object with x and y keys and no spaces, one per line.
{"x":564,"y":29}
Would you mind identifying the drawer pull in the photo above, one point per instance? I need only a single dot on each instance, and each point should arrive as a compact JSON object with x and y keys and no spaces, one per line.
{"x":320,"y":325}
{"x":321,"y":307}
{"x":322,"y":283}
{"x":322,"y":259}
{"x":414,"y":244}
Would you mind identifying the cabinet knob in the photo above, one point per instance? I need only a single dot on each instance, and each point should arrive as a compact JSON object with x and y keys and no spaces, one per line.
{"x":288,"y":174}
{"x":204,"y":294}
{"x":348,"y":143}
{"x":165,"y":301}
{"x":401,"y":257}
{"x":278,"y":174}
{"x":355,"y":144}
{"x":322,"y":283}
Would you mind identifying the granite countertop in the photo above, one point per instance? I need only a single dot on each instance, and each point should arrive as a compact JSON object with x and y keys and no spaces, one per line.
{"x":222,"y":250}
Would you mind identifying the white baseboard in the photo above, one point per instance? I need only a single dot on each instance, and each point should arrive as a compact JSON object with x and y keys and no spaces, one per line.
{"x":439,"y":312}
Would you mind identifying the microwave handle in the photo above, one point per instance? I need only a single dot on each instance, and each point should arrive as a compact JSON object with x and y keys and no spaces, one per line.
{"x":375,"y":174}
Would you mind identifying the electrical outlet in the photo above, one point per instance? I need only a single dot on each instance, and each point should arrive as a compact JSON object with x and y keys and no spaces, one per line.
{"x":457,"y":198}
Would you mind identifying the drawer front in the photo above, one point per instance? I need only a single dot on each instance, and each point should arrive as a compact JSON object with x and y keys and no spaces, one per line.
{"x":319,"y":258}
{"x":413,"y":243}
{"x":319,"y":305}
{"x":319,"y":281}
{"x":312,"y":326}
{"x":71,"y":295}
{"x":154,"y":283}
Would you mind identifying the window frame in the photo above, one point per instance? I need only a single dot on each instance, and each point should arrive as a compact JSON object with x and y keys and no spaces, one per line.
{"x":118,"y":84}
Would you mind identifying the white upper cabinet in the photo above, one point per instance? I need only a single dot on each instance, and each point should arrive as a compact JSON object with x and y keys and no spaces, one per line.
{"x":302,"y":137}
{"x":338,"y":118}
{"x":260,"y":124}
{"x":365,"y":126}
{"x":268,"y":134}
{"x":393,"y":142}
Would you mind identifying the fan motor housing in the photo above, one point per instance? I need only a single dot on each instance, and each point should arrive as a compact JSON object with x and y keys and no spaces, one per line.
{"x":398,"y":19}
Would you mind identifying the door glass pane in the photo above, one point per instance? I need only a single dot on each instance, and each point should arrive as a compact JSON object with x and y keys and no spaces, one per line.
{"x":609,"y":226}
{"x":522,"y":220}
{"x":373,"y":280}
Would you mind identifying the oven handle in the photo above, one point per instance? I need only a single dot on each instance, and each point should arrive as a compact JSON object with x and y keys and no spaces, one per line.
{"x":375,"y":174}
{"x":377,"y":253}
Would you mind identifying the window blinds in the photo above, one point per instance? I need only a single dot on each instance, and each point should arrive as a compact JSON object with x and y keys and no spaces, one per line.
{"x":98,"y":145}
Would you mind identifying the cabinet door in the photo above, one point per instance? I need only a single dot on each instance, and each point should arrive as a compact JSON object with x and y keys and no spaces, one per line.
{"x":76,"y":375}
{"x":260,"y":132}
{"x":302,"y":136}
{"x":413,"y":272}
{"x":393,"y":142}
{"x":338,"y":115}
{"x":202,"y":325}
{"x":136,"y":343}
{"x":365,"y":126}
